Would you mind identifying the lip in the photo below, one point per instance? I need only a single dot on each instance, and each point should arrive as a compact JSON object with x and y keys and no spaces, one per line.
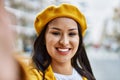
{"x":63,"y":51}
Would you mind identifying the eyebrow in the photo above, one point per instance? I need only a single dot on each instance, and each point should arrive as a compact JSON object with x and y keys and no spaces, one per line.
{"x":60,"y":29}
{"x":55,"y":28}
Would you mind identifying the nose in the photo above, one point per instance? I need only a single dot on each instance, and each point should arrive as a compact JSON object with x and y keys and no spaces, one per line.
{"x":64,"y":40}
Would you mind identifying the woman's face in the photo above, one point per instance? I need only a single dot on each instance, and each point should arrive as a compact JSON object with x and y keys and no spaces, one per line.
{"x":62,"y":39}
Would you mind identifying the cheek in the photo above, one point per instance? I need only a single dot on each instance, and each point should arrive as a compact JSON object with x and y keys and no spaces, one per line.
{"x":49,"y":44}
{"x":75,"y":42}
{"x":50,"y":41}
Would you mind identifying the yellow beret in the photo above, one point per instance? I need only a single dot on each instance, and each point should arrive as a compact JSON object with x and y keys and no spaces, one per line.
{"x":63,"y":10}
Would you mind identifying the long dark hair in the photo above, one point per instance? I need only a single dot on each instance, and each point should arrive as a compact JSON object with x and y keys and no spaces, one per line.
{"x":80,"y":61}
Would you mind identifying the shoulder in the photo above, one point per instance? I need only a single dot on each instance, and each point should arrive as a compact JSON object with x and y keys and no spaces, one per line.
{"x":26,"y":69}
{"x":23,"y":67}
{"x":34,"y":73}
{"x":49,"y":75}
{"x":84,"y":78}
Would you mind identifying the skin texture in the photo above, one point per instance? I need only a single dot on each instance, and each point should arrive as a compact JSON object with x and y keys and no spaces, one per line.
{"x":62,"y":41}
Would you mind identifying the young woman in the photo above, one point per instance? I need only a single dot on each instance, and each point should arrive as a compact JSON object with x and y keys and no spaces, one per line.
{"x":59,"y":52}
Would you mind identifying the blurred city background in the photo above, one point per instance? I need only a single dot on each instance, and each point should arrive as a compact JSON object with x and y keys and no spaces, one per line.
{"x":102,"y":39}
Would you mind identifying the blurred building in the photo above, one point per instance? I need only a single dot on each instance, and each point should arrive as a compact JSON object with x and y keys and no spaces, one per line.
{"x":23,"y":13}
{"x":111,"y":31}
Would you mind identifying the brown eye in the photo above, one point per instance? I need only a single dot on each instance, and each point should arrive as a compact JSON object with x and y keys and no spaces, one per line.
{"x":72,"y":34}
{"x":56,"y":33}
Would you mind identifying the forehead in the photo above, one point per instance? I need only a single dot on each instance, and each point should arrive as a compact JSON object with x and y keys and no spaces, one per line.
{"x":63,"y":21}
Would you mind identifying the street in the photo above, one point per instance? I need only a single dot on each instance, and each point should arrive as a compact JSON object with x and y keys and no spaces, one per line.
{"x":105,"y":64}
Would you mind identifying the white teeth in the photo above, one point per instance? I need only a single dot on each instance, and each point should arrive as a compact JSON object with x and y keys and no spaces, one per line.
{"x":63,"y":49}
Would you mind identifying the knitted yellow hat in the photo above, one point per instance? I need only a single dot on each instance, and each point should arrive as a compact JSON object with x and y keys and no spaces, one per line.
{"x":63,"y":10}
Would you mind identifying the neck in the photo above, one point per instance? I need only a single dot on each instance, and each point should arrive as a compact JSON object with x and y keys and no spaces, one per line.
{"x":62,"y":68}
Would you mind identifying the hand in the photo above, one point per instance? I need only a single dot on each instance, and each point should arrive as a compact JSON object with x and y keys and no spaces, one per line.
{"x":8,"y":66}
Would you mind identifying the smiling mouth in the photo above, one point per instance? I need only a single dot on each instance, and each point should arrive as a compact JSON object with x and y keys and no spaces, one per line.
{"x":63,"y":49}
